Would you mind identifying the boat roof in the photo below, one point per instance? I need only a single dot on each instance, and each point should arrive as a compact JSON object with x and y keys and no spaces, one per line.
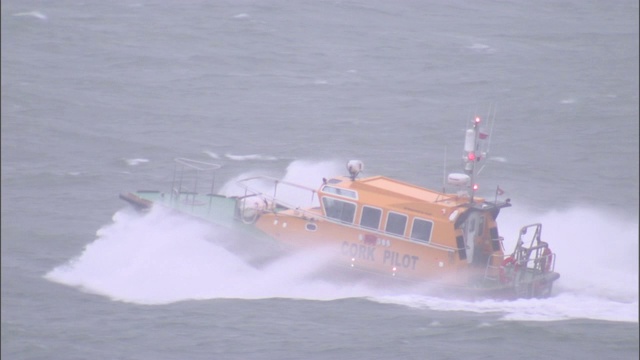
{"x":387,"y":192}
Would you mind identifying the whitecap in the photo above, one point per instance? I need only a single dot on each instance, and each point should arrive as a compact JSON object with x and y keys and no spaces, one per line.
{"x":250,"y":157}
{"x":134,"y":162}
{"x":481,"y":48}
{"x":35,"y":14}
{"x":212,"y":154}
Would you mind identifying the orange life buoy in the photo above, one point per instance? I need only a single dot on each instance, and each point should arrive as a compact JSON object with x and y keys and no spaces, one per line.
{"x":508,"y":262}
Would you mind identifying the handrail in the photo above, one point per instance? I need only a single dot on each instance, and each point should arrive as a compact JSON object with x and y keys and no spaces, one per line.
{"x":264,"y":177}
{"x":312,"y":215}
{"x":187,"y":167}
{"x":522,"y":256}
{"x":248,"y":188}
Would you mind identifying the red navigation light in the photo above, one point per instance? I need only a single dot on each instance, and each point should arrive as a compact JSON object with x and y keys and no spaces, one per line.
{"x":477,"y":119}
{"x":471,"y":156}
{"x":475,"y":187}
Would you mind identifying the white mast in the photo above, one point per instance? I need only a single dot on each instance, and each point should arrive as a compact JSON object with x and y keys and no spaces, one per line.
{"x":471,"y":147}
{"x":474,"y":152}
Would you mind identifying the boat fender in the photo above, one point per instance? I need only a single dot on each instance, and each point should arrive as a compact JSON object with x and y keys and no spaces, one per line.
{"x":251,"y":212}
{"x":508,"y":262}
{"x":249,"y":215}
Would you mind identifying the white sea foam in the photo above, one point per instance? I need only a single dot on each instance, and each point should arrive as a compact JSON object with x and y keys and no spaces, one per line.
{"x":560,"y":307}
{"x":481,"y":48}
{"x":161,"y":258}
{"x":134,"y":162}
{"x":36,"y":14}
{"x":596,"y":257}
{"x":303,"y":172}
{"x":497,"y":159}
{"x":211,"y":154}
{"x":250,"y":157}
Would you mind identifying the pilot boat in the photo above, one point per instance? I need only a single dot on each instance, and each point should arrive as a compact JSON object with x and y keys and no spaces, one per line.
{"x":380,"y":225}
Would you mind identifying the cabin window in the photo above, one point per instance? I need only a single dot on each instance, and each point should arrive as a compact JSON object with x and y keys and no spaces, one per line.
{"x":481,"y":226}
{"x":421,"y":230}
{"x":339,"y":210}
{"x":494,"y":233}
{"x":370,"y":217}
{"x":338,"y":191}
{"x":396,"y":223}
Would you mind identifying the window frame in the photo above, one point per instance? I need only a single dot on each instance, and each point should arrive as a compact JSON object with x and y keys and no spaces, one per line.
{"x":334,"y":190}
{"x":362,"y":215}
{"x":386,"y":224}
{"x":326,"y":213}
{"x":413,"y":224}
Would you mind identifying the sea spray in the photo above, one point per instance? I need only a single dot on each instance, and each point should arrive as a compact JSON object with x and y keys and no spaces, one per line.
{"x":160,"y":258}
{"x":596,"y":258}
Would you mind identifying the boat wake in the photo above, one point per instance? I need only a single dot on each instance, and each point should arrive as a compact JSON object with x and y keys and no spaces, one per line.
{"x":597,"y":260}
{"x":160,"y":258}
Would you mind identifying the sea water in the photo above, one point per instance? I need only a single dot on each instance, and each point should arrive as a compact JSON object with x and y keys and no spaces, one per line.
{"x":99,"y":97}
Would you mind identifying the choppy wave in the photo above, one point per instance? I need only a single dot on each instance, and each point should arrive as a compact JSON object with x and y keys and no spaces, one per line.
{"x":212,"y":154}
{"x":562,"y":306}
{"x":250,"y":157}
{"x":161,"y":258}
{"x":237,"y":157}
{"x":302,"y":172}
{"x":481,"y":48}
{"x":36,"y":14}
{"x":136,"y":161}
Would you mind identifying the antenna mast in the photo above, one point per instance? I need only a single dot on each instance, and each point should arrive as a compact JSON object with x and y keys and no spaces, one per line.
{"x":471,"y":146}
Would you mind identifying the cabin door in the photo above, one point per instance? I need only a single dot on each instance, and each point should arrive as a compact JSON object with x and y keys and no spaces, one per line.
{"x":472,"y":229}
